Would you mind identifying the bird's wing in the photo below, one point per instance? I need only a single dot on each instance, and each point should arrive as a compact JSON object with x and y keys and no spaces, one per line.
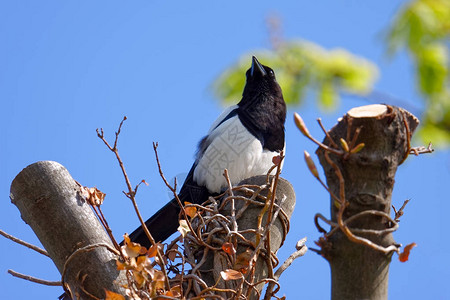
{"x":230,"y":111}
{"x":230,"y":146}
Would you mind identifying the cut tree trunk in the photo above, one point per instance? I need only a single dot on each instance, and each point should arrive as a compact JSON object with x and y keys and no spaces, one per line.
{"x":217,"y":260}
{"x":49,"y":201}
{"x":360,"y":272}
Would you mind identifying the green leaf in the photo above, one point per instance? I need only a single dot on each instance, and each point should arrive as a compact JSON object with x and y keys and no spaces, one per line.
{"x":327,"y":95}
{"x":432,"y":64}
{"x":423,"y":28}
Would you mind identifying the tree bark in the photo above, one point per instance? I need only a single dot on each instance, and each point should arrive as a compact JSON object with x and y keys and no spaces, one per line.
{"x":357,"y":271}
{"x":49,"y":201}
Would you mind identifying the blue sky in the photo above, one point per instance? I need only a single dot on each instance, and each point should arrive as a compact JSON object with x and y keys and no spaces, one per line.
{"x":67,"y":68}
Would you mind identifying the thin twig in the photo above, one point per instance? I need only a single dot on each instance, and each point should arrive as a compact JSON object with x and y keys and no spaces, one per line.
{"x":173,"y":190}
{"x":359,"y":230}
{"x":325,"y":147}
{"x":131,"y":195}
{"x":23,"y":243}
{"x":355,"y":137}
{"x":301,"y":250}
{"x":421,"y":150}
{"x":102,"y":219}
{"x":269,"y":290}
{"x":333,"y":144}
{"x":233,"y":208}
{"x":34,"y":279}
{"x":408,"y":136}
{"x":399,"y":213}
{"x":316,"y":222}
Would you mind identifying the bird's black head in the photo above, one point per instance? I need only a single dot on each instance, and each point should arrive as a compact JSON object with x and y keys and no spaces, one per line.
{"x":262,"y":109}
{"x":260,"y":80}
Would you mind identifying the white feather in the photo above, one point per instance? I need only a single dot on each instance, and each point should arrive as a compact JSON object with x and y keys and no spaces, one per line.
{"x":222,"y":116}
{"x":231,"y":146}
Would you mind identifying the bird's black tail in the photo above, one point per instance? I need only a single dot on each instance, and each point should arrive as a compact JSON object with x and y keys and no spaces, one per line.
{"x":165,"y":221}
{"x":161,"y":225}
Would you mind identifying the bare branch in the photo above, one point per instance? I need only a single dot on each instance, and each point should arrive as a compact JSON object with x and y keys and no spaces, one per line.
{"x":421,"y":150}
{"x":131,"y":195}
{"x":34,"y":279}
{"x":399,"y":213}
{"x":23,"y":243}
{"x":301,"y":250}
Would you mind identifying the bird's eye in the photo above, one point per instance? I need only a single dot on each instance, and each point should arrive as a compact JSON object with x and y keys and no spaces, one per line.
{"x":271,"y":72}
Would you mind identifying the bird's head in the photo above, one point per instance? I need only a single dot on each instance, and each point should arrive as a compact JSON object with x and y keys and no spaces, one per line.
{"x":260,"y":80}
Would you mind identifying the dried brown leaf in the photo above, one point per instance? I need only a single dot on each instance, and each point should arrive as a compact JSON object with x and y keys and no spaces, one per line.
{"x":139,"y":278}
{"x":113,"y":296}
{"x":190,"y":210}
{"x":131,"y":249}
{"x":404,"y":256}
{"x":183,"y":228}
{"x":152,"y":251}
{"x":121,"y":265}
{"x":230,"y":274}
{"x":276,"y":160}
{"x":94,"y":196}
{"x":228,"y":248}
{"x":243,"y":261}
{"x":176,"y":291}
{"x":172,"y":254}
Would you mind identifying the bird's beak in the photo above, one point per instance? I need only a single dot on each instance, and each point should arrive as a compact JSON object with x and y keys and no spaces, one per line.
{"x":257,"y":68}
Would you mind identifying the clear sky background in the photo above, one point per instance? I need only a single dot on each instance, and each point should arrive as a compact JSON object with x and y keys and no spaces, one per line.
{"x":69,"y":67}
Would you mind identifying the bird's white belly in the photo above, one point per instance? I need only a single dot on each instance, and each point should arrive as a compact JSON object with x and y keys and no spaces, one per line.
{"x":232,"y":147}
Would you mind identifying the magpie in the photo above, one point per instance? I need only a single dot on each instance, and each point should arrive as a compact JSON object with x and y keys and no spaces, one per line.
{"x":243,"y":140}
